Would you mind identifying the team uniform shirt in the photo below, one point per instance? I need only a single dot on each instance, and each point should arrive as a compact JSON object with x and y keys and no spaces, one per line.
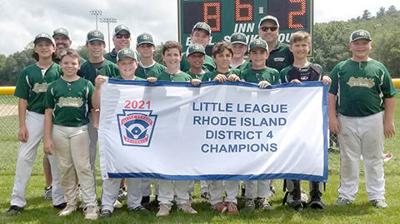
{"x":90,"y":71}
{"x":361,"y":87}
{"x":112,"y":56}
{"x":70,"y":101}
{"x":245,"y":65}
{"x":196,"y":76}
{"x":178,"y":77}
{"x":208,"y":65}
{"x":151,"y":71}
{"x":209,"y":76}
{"x":280,"y":57}
{"x":32,"y":85}
{"x":312,"y":72}
{"x":266,"y":74}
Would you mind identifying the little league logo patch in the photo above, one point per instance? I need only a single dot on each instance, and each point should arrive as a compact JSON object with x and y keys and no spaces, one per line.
{"x":136,"y":127}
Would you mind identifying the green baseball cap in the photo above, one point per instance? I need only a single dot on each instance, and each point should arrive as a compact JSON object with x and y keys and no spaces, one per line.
{"x":61,"y":31}
{"x":239,"y":38}
{"x":360,"y":35}
{"x":43,"y":36}
{"x":144,"y":38}
{"x":126,"y":53}
{"x":121,"y":28}
{"x":268,"y":17}
{"x":195,"y":48}
{"x":258,"y":43}
{"x":95,"y":35}
{"x":202,"y":26}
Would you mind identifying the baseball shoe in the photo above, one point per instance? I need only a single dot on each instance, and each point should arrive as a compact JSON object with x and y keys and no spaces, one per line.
{"x":14,"y":210}
{"x":343,"y":201}
{"x":118,"y":204}
{"x":68,"y":210}
{"x":122,"y":194}
{"x":263,"y":203}
{"x":105,"y":213}
{"x":48,"y":192}
{"x":205,"y":195}
{"x":220,"y":207}
{"x":164,"y":210}
{"x":379,"y":203}
{"x":91,"y":212}
{"x":187,"y":208}
{"x":139,"y":209}
{"x":249,"y":204}
{"x":60,"y":206}
{"x":232,"y":208}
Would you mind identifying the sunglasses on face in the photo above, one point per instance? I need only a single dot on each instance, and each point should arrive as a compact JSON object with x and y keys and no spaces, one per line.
{"x":120,"y":36}
{"x":266,"y":28}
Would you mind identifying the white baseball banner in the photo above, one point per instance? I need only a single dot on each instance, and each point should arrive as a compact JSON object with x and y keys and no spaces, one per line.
{"x":234,"y":131}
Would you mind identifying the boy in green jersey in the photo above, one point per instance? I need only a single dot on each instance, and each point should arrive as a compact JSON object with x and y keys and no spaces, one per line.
{"x":257,"y":192}
{"x":361,"y":112}
{"x":31,"y":89}
{"x":173,"y":190}
{"x":66,"y":135}
{"x":302,"y":71}
{"x":195,"y":57}
{"x":222,"y":54}
{"x":127,"y":65}
{"x":201,"y":34}
{"x":147,"y":66}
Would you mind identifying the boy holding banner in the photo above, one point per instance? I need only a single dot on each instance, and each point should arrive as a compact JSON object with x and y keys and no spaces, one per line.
{"x":258,"y":192}
{"x":301,"y":71}
{"x":127,"y":64}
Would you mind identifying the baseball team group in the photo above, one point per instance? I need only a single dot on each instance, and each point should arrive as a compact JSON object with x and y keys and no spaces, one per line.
{"x":59,"y":103}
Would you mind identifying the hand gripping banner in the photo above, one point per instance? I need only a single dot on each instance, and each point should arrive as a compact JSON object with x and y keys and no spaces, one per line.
{"x":233,"y":131}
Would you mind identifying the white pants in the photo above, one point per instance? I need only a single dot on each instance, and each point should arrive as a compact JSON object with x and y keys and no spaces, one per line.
{"x":111,"y":188}
{"x":168,"y":189}
{"x":218,"y":187}
{"x":26,"y":158}
{"x":72,"y":151}
{"x":257,"y":189}
{"x":361,"y":136}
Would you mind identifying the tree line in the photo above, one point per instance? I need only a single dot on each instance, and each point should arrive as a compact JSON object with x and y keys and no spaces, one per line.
{"x":330,"y":44}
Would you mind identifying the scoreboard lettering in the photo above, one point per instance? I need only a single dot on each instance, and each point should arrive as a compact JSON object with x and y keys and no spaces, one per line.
{"x":228,"y":16}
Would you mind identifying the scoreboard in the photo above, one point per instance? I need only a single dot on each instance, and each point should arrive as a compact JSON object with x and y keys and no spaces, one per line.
{"x":228,"y":16}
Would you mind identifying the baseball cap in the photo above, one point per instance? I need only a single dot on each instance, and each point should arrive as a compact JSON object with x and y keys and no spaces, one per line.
{"x":238,"y":38}
{"x":195,"y":48}
{"x":43,"y":36}
{"x":258,"y":43}
{"x":202,"y":26}
{"x":268,"y":17}
{"x":121,"y":28}
{"x":95,"y":35}
{"x":360,"y":35}
{"x":126,"y":53}
{"x":61,"y":31}
{"x":144,"y":38}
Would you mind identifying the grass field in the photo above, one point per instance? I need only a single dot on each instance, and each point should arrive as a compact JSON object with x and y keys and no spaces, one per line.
{"x":39,"y":210}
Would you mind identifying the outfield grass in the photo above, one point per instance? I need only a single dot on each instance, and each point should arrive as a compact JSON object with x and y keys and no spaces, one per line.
{"x":39,"y":210}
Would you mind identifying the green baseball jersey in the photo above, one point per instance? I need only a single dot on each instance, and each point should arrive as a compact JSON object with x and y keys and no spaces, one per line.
{"x":112,"y":56}
{"x":280,"y":57}
{"x":89,"y":71}
{"x":208,"y":65}
{"x":361,"y":87}
{"x":245,"y":65}
{"x":195,"y":76}
{"x":70,"y":101}
{"x":266,"y":74}
{"x":151,"y":71}
{"x":32,"y":85}
{"x":178,"y":77}
{"x":209,"y":76}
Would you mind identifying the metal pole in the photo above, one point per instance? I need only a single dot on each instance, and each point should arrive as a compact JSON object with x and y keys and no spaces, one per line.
{"x":108,"y":20}
{"x":108,"y":31}
{"x":96,"y":13}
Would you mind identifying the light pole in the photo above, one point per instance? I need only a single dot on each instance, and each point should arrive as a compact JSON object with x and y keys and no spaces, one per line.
{"x":108,"y":20}
{"x":97,"y":13}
